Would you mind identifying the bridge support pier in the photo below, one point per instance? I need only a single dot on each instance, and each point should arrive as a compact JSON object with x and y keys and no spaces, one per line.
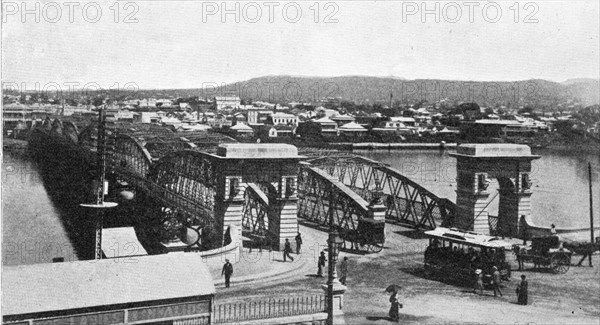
{"x":229,"y":212}
{"x":272,"y":165}
{"x":377,"y":211}
{"x":510,"y":164}
{"x":283,"y":223}
{"x":473,"y":212}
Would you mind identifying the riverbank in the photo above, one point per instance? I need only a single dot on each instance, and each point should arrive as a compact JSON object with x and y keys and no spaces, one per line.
{"x":392,"y":146}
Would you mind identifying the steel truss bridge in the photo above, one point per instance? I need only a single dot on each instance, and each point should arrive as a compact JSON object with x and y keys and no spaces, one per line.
{"x":180,"y":174}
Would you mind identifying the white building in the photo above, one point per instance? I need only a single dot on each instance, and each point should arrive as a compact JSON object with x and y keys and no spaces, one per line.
{"x":284,"y":119}
{"x":222,"y":102}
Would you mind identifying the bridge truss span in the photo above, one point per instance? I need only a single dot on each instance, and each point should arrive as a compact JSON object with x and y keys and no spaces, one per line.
{"x":321,"y":195}
{"x":256,"y":209}
{"x":406,"y":201}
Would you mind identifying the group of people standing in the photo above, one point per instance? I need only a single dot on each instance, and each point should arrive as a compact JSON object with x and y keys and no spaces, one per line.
{"x":287,"y":248}
{"x":343,"y":274}
{"x":521,"y":290}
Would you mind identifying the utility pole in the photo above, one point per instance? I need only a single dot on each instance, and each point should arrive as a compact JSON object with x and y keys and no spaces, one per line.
{"x":591,"y":211}
{"x":100,"y":205}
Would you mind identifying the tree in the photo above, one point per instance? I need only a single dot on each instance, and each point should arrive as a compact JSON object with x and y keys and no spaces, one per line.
{"x":470,"y":111}
{"x":526,"y":110}
{"x":97,"y":101}
{"x":71,"y":101}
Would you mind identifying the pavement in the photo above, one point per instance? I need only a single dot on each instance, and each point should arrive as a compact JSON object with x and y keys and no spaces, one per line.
{"x":254,"y":267}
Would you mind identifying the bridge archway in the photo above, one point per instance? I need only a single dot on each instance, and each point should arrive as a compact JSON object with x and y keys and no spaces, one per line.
{"x":511,"y":165}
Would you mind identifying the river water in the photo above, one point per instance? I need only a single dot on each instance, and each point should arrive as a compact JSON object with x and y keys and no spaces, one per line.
{"x":560,"y":182}
{"x":34,"y":230}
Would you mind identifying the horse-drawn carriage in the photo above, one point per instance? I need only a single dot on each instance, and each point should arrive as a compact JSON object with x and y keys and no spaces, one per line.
{"x":369,"y":235}
{"x":545,"y":251}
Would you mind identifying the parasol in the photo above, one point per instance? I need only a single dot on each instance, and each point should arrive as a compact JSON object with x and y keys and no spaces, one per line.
{"x":393,"y":288}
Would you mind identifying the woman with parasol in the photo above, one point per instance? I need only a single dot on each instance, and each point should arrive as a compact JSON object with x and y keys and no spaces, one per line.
{"x":394,"y":300}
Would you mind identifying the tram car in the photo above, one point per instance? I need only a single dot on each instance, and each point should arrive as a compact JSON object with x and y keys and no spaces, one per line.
{"x":458,"y":254}
{"x":545,"y":251}
{"x":369,"y":235}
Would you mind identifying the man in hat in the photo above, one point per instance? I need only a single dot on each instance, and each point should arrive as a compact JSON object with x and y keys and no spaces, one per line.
{"x":298,"y":243}
{"x":321,"y":264}
{"x":227,"y":271}
{"x":287,"y":249}
{"x":344,"y":270}
{"x":496,"y":281}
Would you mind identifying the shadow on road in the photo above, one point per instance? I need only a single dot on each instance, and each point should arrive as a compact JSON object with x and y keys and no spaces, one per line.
{"x":403,"y":318}
{"x":313,"y":276}
{"x":436,"y":276}
{"x":413,"y":234}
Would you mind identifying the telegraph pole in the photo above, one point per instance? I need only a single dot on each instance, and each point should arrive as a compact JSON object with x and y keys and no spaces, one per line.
{"x":98,"y":207}
{"x":591,"y":211}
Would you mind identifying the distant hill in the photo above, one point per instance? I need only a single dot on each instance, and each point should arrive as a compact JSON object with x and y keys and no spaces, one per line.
{"x":579,"y":80}
{"x":364,"y":89}
{"x":368,"y":90}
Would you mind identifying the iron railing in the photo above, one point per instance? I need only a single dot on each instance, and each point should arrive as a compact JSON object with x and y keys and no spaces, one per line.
{"x":270,"y":308}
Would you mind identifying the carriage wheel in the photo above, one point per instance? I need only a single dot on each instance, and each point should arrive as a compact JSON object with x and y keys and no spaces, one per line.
{"x":376,"y":247}
{"x":560,"y":263}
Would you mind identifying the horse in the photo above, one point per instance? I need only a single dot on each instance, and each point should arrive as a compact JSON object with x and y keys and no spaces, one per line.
{"x":583,"y":248}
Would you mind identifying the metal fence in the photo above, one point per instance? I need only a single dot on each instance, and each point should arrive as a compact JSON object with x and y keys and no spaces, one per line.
{"x":270,"y":308}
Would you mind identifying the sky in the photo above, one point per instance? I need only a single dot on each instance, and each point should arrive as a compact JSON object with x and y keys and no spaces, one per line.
{"x":189,"y":44}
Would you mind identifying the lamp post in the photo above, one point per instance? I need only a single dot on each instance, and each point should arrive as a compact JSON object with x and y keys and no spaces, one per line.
{"x":333,"y":245}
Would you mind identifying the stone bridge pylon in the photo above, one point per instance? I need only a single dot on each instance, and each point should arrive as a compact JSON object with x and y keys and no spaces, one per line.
{"x":510,"y":164}
{"x":274,"y":168}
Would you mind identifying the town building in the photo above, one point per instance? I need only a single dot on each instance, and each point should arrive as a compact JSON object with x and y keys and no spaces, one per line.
{"x":342,"y":119}
{"x":227,"y":102}
{"x":352,"y":129}
{"x":278,"y":131}
{"x":258,"y":117}
{"x":328,"y":127}
{"x":284,"y":119}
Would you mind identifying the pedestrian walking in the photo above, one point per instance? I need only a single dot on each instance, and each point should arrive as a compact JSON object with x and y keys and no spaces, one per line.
{"x":227,"y":271}
{"x":496,"y":281}
{"x":522,"y":291}
{"x":395,"y":306}
{"x":321,"y":264}
{"x":298,"y":243}
{"x":344,"y":270}
{"x":553,"y":229}
{"x":287,"y":249}
{"x":478,"y":282}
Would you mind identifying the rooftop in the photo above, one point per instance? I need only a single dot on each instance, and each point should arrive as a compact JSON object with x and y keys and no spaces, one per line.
{"x":71,"y":285}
